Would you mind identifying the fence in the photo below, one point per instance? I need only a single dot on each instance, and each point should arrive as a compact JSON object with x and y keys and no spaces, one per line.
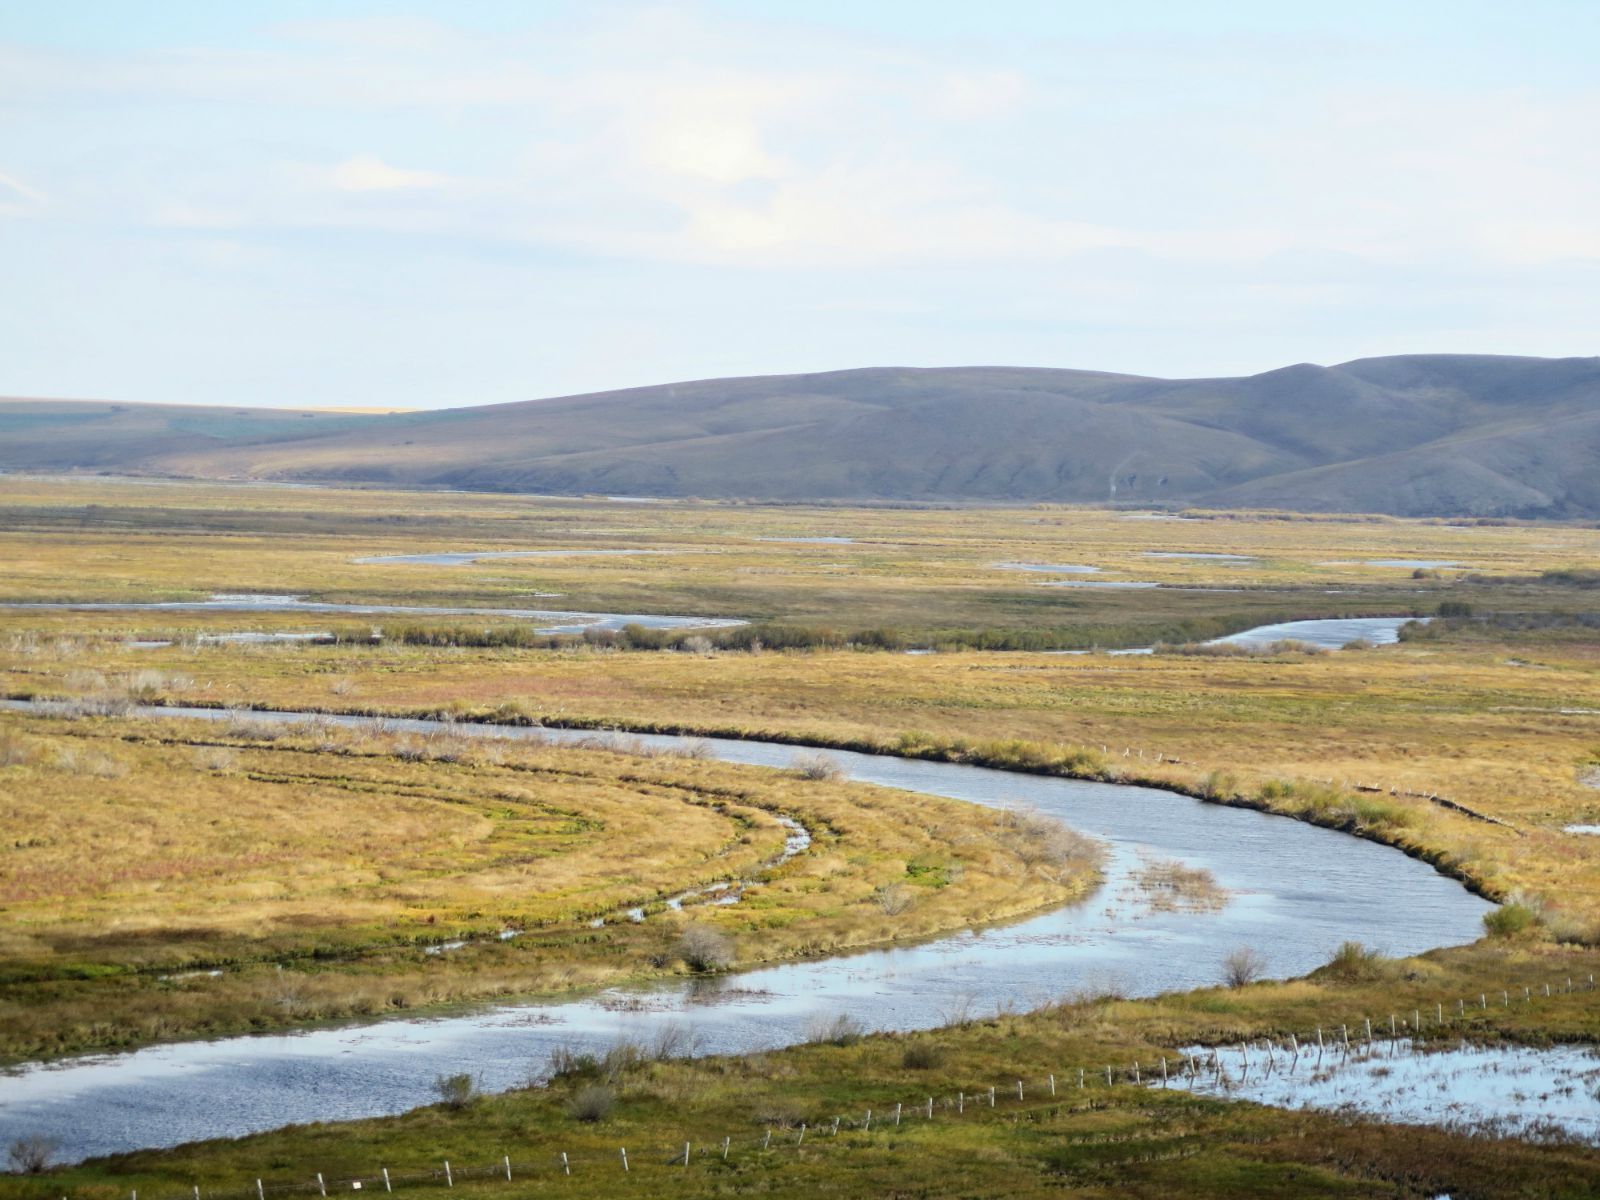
{"x":1052,"y":1089}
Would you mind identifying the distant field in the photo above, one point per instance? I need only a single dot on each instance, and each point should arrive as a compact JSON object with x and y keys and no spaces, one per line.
{"x":917,"y":576}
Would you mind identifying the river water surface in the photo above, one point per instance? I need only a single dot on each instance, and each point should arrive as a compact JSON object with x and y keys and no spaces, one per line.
{"x":1296,"y":892}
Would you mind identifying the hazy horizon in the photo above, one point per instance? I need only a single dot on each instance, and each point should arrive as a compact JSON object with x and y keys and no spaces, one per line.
{"x":430,"y":205}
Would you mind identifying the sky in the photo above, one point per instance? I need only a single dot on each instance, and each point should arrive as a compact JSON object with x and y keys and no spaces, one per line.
{"x":440,"y":204}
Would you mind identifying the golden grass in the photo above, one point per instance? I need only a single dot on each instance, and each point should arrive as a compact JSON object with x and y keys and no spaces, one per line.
{"x":239,"y":847}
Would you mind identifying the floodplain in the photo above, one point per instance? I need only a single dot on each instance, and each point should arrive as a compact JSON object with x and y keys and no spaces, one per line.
{"x":342,"y":858}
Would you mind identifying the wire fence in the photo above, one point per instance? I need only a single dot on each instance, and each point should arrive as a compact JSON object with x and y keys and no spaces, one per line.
{"x":1062,"y":1091}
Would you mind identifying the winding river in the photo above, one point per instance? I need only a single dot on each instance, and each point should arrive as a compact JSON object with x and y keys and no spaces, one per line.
{"x":1296,"y":892}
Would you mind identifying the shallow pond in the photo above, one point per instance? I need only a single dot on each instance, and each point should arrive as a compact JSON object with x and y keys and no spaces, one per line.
{"x":1205,"y":554}
{"x":456,"y":558}
{"x":547,"y":620}
{"x":1333,"y":633}
{"x":1295,"y":893}
{"x":1098,"y":583}
{"x":1500,"y":1089}
{"x":1049,"y":568}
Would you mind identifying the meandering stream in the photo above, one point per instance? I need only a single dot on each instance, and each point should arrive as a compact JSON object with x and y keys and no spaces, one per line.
{"x":1296,"y":892}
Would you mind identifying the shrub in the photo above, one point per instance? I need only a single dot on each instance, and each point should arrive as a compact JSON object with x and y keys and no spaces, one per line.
{"x":705,"y":949}
{"x":923,"y":1056}
{"x":1044,"y":842}
{"x":893,"y":899}
{"x":842,"y":1030}
{"x":1219,"y":785}
{"x":455,"y":1091}
{"x":1354,"y":963}
{"x":31,"y":1155}
{"x":216,"y":758}
{"x":1242,"y":967}
{"x":816,"y":766}
{"x":1510,"y":919}
{"x":592,"y":1103}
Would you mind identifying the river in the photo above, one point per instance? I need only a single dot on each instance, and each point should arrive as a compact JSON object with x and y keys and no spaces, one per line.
{"x":1296,"y":892}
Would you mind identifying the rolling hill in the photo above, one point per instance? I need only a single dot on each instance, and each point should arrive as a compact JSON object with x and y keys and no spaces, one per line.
{"x":1410,"y":435}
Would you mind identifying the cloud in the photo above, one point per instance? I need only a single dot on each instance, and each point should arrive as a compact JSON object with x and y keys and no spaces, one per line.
{"x":18,"y":199}
{"x":369,"y":173}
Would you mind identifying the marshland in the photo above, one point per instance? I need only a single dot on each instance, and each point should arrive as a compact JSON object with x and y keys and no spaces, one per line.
{"x":438,"y":830}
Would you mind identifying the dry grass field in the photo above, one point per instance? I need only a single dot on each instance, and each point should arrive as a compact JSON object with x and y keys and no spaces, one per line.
{"x":167,"y":880}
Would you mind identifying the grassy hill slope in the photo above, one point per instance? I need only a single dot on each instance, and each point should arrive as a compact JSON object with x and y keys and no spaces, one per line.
{"x":1411,"y":435}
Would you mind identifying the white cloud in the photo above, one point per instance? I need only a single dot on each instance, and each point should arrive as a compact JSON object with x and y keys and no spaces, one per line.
{"x":18,"y":199}
{"x":369,"y":173}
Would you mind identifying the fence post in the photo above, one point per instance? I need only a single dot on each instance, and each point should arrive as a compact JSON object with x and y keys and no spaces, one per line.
{"x":1080,"y":1077}
{"x":930,"y":1108}
{"x":321,"y":1187}
{"x":449,"y":1179}
{"x":1136,"y":1072}
{"x":686,"y":1153}
{"x":261,"y":1192}
{"x":801,"y":1140}
{"x":1019,"y":1089}
{"x":506,"y":1158}
{"x":566,"y":1167}
{"x":897,"y":1113}
{"x":961,"y":1103}
{"x":725,"y":1142}
{"x":1052,"y":1085}
{"x":867,"y":1125}
{"x":1163,"y":1070}
{"x":836,"y":1127}
{"x":766,"y":1141}
{"x":386,"y":1185}
{"x":991,"y":1097}
{"x":624,"y":1158}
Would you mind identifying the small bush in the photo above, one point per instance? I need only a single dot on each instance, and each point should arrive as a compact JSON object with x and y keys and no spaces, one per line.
{"x":893,"y":899}
{"x":842,"y":1030}
{"x":1510,"y":919}
{"x":1243,"y":966}
{"x":216,"y":758}
{"x":592,"y":1103}
{"x":816,"y":766}
{"x":705,"y":949}
{"x":455,"y":1091}
{"x":923,"y":1056}
{"x":31,"y":1155}
{"x":1354,"y":963}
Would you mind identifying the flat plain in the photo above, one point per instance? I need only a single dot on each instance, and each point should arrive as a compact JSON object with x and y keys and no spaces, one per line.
{"x":1471,"y":743}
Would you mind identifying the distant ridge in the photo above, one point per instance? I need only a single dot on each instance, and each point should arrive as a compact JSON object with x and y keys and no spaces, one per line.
{"x":1413,"y":435}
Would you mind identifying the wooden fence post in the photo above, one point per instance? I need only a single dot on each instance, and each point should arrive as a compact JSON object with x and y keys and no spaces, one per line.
{"x":386,"y":1185}
{"x":506,"y":1158}
{"x":449,"y":1179}
{"x":566,"y":1167}
{"x":624,"y":1159}
{"x":321,"y":1187}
